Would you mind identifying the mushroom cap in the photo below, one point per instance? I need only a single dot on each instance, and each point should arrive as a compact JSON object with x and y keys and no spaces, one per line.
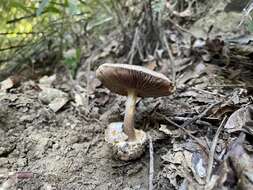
{"x":121,"y":78}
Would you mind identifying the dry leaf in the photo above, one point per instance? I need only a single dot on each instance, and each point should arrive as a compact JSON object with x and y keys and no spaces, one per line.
{"x":172,"y":133}
{"x":241,"y":120}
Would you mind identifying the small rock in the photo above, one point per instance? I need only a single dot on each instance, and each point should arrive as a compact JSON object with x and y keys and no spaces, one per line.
{"x":56,"y":146}
{"x":3,"y":162}
{"x":58,"y":103}
{"x":21,"y":162}
{"x":48,"y":186}
{"x":80,"y":99}
{"x":26,"y":118}
{"x":55,"y":98}
{"x":49,"y":94}
{"x":6,"y":84}
{"x":47,"y":81}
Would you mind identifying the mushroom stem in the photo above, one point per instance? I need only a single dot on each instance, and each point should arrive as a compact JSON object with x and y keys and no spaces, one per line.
{"x":129,"y":115}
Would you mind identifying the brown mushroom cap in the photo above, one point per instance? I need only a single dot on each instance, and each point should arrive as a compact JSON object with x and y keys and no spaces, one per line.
{"x":120,"y":78}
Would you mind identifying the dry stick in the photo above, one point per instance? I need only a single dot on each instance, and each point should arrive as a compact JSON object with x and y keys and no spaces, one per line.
{"x":75,"y":89}
{"x":173,"y":66}
{"x":228,"y":85}
{"x":119,"y":16}
{"x":88,"y":86}
{"x":133,"y":47}
{"x":212,"y":150}
{"x":200,"y":115}
{"x":139,"y":51}
{"x":188,"y":122}
{"x":179,"y":27}
{"x":151,"y":163}
{"x":246,"y":13}
{"x":188,"y":133}
{"x":208,"y":92}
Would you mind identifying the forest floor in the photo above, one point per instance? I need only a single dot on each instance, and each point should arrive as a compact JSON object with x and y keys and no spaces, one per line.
{"x":52,"y":138}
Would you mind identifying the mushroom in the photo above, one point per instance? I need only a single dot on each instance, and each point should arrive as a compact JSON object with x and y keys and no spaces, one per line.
{"x":131,"y":81}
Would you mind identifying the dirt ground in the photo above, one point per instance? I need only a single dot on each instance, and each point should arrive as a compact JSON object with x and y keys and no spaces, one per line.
{"x":62,"y":151}
{"x":66,"y":149}
{"x":46,"y":149}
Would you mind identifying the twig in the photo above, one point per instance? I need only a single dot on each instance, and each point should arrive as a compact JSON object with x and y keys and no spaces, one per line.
{"x":246,"y":12}
{"x":208,"y":92}
{"x":151,"y":163}
{"x":200,"y":115}
{"x":179,"y":27}
{"x":120,"y":16}
{"x":20,"y":18}
{"x":85,"y":101}
{"x":212,"y":150}
{"x":183,"y":119}
{"x":132,"y":51}
{"x":188,"y":122}
{"x":21,"y":33}
{"x":13,"y":47}
{"x":28,"y":16}
{"x":187,"y":132}
{"x":92,"y":26}
{"x":228,"y":86}
{"x":172,"y":60}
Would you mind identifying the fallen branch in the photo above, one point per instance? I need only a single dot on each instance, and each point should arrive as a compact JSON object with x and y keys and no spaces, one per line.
{"x":132,"y":52}
{"x":172,"y":59}
{"x":204,"y":113}
{"x":188,"y":122}
{"x":212,"y":150}
{"x":187,"y":132}
{"x":151,"y":163}
{"x":179,"y":27}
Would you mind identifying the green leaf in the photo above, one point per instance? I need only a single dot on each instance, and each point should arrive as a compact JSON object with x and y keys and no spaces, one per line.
{"x":20,"y":5}
{"x":42,"y":5}
{"x":78,"y":54}
{"x":66,"y":2}
{"x":52,"y":9}
{"x":71,"y":63}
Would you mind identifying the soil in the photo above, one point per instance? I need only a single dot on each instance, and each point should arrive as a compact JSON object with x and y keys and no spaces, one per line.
{"x":66,"y":149}
{"x":62,"y":151}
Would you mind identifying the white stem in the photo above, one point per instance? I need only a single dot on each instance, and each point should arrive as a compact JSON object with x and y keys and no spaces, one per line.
{"x":129,"y":115}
